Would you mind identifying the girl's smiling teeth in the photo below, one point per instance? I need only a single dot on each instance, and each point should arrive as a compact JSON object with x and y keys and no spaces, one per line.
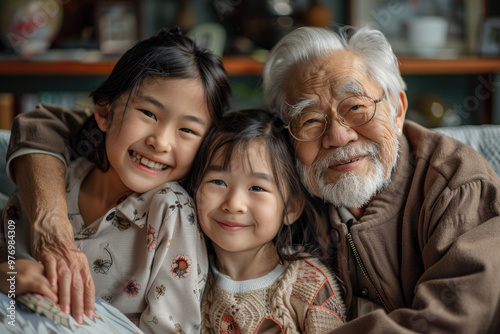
{"x":136,"y":157}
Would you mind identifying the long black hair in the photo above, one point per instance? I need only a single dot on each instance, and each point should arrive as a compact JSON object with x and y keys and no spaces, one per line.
{"x":169,"y":54}
{"x":238,"y":131}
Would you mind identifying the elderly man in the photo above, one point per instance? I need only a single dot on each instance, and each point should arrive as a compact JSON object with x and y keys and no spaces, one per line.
{"x":414,"y":215}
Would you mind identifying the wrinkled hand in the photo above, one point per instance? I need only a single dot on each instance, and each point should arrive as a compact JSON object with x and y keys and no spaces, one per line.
{"x":40,"y":179}
{"x":66,"y":267}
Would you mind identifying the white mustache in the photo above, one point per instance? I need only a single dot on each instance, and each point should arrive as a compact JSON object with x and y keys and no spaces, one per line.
{"x":343,"y":154}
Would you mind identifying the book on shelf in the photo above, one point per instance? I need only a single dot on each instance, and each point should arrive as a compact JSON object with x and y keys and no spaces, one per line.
{"x":28,"y":101}
{"x":7,"y":110}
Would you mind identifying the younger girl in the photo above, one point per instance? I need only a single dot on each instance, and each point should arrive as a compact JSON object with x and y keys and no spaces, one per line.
{"x":132,"y":219}
{"x":266,"y":273}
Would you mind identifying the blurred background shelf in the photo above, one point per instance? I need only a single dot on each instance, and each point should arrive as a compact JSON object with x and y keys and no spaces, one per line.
{"x":461,"y":65}
{"x":235,"y":66}
{"x":242,"y":66}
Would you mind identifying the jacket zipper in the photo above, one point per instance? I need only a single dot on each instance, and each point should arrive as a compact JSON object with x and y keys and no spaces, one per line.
{"x":363,"y":269}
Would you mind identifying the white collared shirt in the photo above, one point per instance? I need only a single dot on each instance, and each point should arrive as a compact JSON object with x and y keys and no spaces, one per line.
{"x":147,"y":255}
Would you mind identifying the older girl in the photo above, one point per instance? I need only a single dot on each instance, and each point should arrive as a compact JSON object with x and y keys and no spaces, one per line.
{"x":130,"y":216}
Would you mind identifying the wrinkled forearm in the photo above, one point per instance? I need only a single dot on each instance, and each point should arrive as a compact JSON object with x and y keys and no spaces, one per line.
{"x":41,"y":182}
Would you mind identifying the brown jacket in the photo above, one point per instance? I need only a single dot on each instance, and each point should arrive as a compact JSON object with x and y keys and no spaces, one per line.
{"x":429,"y":243}
{"x":50,"y":128}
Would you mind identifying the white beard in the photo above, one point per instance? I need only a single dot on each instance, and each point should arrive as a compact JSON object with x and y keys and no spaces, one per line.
{"x":351,"y":191}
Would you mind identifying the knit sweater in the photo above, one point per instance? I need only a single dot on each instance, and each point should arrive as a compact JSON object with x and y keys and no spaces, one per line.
{"x":300,"y":297}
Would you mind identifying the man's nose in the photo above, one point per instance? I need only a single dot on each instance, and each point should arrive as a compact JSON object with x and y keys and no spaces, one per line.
{"x":336,"y":133}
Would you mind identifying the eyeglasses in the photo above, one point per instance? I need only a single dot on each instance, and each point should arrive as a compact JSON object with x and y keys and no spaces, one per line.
{"x":352,"y":111}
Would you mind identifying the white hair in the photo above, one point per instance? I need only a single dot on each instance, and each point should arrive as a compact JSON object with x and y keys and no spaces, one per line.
{"x":308,"y":43}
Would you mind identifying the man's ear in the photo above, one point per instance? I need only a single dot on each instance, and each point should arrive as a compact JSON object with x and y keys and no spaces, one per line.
{"x":401,"y":111}
{"x":294,"y":210}
{"x":101,"y":114}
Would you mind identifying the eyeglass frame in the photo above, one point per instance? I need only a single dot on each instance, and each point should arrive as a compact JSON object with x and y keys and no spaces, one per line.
{"x":338,"y":117}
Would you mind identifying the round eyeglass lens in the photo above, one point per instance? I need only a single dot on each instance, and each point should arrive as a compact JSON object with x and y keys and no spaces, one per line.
{"x":356,"y":110}
{"x":308,"y":125}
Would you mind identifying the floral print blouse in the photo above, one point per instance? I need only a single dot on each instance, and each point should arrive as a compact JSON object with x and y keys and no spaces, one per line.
{"x":147,"y":256}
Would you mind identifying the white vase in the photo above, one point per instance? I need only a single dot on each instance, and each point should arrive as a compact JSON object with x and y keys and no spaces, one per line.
{"x":30,"y":26}
{"x":427,"y":34}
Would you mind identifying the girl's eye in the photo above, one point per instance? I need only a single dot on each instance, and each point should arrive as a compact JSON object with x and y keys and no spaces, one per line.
{"x":256,"y":188}
{"x":186,"y":130}
{"x":148,"y":114}
{"x":218,"y":182}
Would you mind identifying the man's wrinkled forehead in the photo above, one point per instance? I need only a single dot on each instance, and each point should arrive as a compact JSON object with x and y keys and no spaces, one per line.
{"x":339,"y":73}
{"x":348,"y":88}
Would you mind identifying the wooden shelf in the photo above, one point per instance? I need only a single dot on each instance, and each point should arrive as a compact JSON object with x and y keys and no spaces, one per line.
{"x":54,"y":68}
{"x":462,"y":65}
{"x":235,"y":66}
{"x":241,"y":66}
{"x":408,"y":65}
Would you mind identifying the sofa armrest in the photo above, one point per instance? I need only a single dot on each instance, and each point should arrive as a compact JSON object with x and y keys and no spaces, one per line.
{"x":6,"y":187}
{"x":483,"y":138}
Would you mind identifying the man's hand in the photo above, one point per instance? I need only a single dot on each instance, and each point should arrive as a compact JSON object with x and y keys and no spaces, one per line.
{"x":66,"y":267}
{"x":41,"y":182}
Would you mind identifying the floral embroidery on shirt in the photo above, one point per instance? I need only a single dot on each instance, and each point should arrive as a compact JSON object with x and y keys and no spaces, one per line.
{"x":165,"y":190}
{"x":178,"y":328}
{"x":86,"y":233}
{"x":101,"y":266}
{"x":12,"y":212}
{"x":137,"y":217}
{"x":176,"y":205}
{"x":121,"y":223}
{"x":160,"y":291}
{"x":181,"y":267}
{"x":229,"y":325}
{"x":191,"y":219}
{"x":132,"y":288}
{"x":168,"y":189}
{"x":110,"y":216}
{"x":151,"y":238}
